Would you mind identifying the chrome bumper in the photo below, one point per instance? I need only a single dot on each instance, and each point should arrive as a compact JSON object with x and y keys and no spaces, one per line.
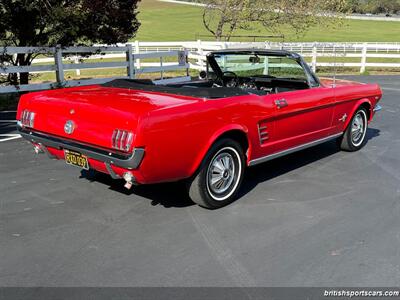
{"x":377,"y":108}
{"x":128,"y":161}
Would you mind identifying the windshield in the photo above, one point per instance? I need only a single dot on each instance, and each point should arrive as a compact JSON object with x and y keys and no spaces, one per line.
{"x":252,"y":65}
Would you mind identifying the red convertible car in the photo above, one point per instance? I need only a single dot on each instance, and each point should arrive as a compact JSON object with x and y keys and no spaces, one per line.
{"x":251,"y":106}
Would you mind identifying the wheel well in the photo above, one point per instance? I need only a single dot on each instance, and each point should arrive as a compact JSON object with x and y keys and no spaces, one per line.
{"x":237,"y":135}
{"x":234,"y":134}
{"x":367,"y":106}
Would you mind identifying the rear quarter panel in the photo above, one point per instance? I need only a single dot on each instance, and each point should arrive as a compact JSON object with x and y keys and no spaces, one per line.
{"x":177,"y":139}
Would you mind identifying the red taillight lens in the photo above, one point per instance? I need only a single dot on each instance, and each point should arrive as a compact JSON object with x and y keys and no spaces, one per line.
{"x":122,"y":139}
{"x":28,"y":118}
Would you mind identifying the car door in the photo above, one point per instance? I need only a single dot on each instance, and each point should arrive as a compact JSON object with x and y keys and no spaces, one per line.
{"x":302,"y":116}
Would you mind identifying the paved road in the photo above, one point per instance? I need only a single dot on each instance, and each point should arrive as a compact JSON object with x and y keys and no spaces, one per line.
{"x":319,"y":217}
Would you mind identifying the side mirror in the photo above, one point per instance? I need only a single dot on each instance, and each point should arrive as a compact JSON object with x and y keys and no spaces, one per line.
{"x":203,"y":75}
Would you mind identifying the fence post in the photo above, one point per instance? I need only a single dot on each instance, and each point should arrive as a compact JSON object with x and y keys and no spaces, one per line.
{"x":187,"y":61}
{"x":314,"y":58}
{"x":161,"y":66}
{"x":137,"y":51}
{"x":129,"y":58}
{"x":59,"y":65}
{"x":200,"y":53}
{"x":364,"y":59}
{"x":76,"y":61}
{"x":266,"y":65}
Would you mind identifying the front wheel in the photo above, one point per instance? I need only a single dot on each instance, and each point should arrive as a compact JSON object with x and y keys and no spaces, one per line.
{"x":353,"y":138}
{"x":219,"y":177}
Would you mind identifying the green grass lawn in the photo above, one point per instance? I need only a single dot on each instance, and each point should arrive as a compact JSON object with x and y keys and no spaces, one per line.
{"x":176,"y":22}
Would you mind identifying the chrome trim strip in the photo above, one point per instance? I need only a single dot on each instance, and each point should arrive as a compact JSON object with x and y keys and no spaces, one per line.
{"x":377,"y":108}
{"x":130,"y":161}
{"x":292,"y":150}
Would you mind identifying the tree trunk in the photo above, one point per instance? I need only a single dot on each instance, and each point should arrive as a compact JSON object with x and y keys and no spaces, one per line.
{"x":219,"y":32}
{"x":13,"y":78}
{"x":23,"y":78}
{"x":23,"y":60}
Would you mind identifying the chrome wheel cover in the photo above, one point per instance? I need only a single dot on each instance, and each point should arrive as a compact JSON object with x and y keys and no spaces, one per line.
{"x":358,"y":128}
{"x":223,"y":173}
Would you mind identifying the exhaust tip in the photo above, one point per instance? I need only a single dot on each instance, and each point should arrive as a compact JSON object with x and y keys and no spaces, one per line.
{"x":130,"y":180}
{"x":128,"y":185}
{"x":38,"y":149}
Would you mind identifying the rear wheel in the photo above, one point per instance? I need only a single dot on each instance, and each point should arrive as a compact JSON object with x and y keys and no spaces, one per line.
{"x":219,"y":177}
{"x":353,"y":138}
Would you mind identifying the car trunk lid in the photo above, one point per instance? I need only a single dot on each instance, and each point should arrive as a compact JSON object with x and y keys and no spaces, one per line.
{"x":95,"y":111}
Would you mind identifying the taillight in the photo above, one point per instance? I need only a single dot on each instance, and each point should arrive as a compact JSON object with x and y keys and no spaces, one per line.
{"x":122,"y":139}
{"x":28,"y":118}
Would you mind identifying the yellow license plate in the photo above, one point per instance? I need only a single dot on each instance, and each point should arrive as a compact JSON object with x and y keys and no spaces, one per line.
{"x":76,"y":159}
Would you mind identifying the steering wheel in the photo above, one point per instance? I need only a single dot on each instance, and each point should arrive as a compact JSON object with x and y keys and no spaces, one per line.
{"x":233,"y":82}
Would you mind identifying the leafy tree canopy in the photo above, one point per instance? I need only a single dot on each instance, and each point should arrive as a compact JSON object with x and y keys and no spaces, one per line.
{"x":65,"y":22}
{"x":374,"y":6}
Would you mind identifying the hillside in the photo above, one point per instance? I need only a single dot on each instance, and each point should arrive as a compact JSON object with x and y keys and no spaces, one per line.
{"x":175,"y":22}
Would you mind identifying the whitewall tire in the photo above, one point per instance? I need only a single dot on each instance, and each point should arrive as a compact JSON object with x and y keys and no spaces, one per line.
{"x":220,"y":175}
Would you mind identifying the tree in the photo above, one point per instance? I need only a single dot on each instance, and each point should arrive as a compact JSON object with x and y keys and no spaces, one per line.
{"x":65,"y":22}
{"x":223,"y":17}
{"x":355,"y":6}
{"x":383,"y":6}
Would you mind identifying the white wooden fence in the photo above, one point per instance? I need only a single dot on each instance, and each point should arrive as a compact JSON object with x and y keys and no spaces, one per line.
{"x":343,"y":55}
{"x":335,"y":55}
{"x":59,"y":63}
{"x":189,"y":55}
{"x":347,"y":55}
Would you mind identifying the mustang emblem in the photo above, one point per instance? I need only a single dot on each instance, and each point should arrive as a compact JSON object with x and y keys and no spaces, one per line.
{"x":344,"y":118}
{"x":69,"y":127}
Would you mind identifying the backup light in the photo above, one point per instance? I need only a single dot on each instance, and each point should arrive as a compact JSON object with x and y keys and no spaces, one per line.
{"x":122,"y":139}
{"x":28,"y":118}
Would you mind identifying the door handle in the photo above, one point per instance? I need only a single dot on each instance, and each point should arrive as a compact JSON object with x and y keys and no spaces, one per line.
{"x":281,"y":103}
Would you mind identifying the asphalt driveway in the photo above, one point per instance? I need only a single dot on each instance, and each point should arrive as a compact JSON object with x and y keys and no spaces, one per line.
{"x":319,"y":217}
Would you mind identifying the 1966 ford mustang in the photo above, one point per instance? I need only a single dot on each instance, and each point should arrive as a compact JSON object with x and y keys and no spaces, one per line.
{"x":251,"y":106}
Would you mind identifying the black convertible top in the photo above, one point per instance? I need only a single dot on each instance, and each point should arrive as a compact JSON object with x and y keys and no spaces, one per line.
{"x":181,"y":89}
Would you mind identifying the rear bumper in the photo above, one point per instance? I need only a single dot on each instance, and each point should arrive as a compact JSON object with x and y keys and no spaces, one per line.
{"x":126,"y":161}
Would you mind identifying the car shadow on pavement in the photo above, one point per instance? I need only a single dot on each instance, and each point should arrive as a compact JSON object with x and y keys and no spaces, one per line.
{"x":288,"y":163}
{"x":166,"y":194}
{"x":174,"y":194}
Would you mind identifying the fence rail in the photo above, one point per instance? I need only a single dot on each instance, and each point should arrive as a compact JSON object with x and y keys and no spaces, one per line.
{"x":355,"y":55}
{"x":188,"y":55}
{"x":58,"y":63}
{"x":315,"y":51}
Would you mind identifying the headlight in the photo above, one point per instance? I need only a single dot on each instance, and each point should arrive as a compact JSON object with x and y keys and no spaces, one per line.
{"x":122,"y":139}
{"x":28,"y":118}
